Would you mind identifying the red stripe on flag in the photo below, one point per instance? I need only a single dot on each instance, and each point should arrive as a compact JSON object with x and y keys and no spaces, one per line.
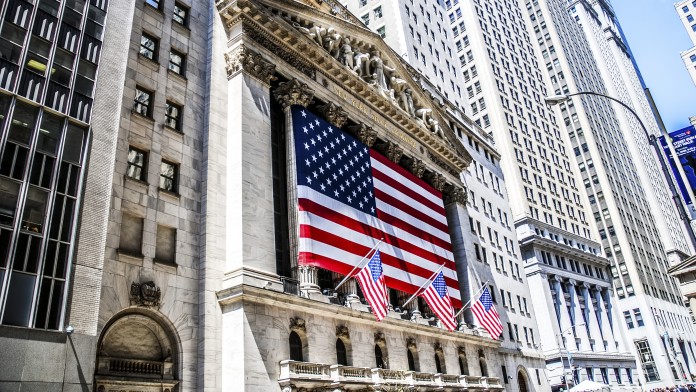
{"x":410,"y":210}
{"x":407,"y":191}
{"x":417,"y":181}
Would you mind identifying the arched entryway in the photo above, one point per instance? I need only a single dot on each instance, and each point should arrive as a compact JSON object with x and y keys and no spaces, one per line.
{"x":522,"y":381}
{"x":138,"y":348}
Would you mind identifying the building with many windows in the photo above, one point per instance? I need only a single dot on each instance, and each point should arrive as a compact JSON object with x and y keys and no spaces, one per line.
{"x":148,"y":217}
{"x":687,"y":12}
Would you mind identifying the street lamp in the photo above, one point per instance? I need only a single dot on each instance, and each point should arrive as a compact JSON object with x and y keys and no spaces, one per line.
{"x":568,"y":356}
{"x":557,"y":99}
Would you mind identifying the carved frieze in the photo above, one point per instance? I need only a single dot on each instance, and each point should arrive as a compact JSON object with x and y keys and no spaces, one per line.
{"x":293,"y":92}
{"x":454,"y":194}
{"x":394,"y":152}
{"x":334,"y":114}
{"x":417,"y":167}
{"x":145,"y":294}
{"x":244,"y":59}
{"x":286,"y":55}
{"x":297,"y":324}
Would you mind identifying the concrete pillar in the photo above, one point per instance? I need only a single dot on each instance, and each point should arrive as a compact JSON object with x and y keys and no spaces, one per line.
{"x":457,"y":217}
{"x":591,"y":311}
{"x":580,"y":331}
{"x":561,"y":308}
{"x":607,"y":333}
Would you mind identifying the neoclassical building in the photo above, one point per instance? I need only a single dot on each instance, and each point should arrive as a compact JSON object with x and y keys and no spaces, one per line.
{"x":185,"y":274}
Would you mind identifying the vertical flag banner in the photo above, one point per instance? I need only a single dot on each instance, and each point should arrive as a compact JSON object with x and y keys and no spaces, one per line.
{"x":371,"y":279}
{"x":350,"y":196}
{"x":486,"y":314}
{"x":439,"y":301}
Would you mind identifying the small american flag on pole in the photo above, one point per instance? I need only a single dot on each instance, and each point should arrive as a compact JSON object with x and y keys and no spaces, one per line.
{"x":371,"y":281}
{"x":486,"y":314}
{"x":439,"y":301}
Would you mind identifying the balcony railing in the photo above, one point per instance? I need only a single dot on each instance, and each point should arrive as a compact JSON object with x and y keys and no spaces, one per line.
{"x":316,"y":375}
{"x":108,"y":366}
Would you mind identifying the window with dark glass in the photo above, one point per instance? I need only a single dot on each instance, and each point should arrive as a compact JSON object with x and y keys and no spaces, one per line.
{"x":438,"y":365}
{"x":172,"y":116}
{"x":149,"y":46}
{"x":153,"y":3}
{"x":411,"y":361}
{"x":168,"y":176}
{"x":181,"y":13}
{"x":137,"y":162}
{"x":341,"y":355}
{"x":177,"y":62}
{"x":143,"y":102}
{"x":295,"y":347}
{"x":379,"y":359}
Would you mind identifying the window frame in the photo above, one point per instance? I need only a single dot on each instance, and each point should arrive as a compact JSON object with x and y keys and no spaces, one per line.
{"x":148,"y":104}
{"x":181,"y":7}
{"x":143,"y":167}
{"x":143,"y":51}
{"x":168,"y":117}
{"x":181,"y":65}
{"x":157,"y":4}
{"x":174,"y":178}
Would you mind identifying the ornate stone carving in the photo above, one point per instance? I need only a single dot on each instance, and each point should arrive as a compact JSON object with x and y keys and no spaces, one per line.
{"x":454,"y":194}
{"x":244,"y":59}
{"x":342,"y":332}
{"x":365,"y":133}
{"x":379,"y":338}
{"x":145,"y":294}
{"x":439,"y":162}
{"x":334,"y":114}
{"x":437,"y":180}
{"x":394,"y":152}
{"x":297,"y":324}
{"x":293,"y":92}
{"x":437,"y":347}
{"x":417,"y":167}
{"x":289,"y":57}
{"x":461,"y":350}
{"x":411,"y":344}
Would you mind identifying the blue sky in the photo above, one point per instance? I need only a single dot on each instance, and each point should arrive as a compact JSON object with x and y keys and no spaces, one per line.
{"x":657,"y":36}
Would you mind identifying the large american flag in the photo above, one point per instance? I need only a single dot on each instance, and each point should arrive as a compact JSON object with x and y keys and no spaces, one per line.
{"x":371,"y":281}
{"x":439,"y":301}
{"x":486,"y":314}
{"x":350,"y":196}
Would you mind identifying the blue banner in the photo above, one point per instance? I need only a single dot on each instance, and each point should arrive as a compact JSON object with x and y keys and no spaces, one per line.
{"x":684,"y":142}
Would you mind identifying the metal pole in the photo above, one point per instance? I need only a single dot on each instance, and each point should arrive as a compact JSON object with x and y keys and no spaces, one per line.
{"x":652,"y":140}
{"x":358,"y":265}
{"x":421,"y":288}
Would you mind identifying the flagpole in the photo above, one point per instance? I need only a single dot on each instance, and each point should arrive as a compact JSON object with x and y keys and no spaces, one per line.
{"x":472,"y":297}
{"x":424,"y":284}
{"x":358,"y":265}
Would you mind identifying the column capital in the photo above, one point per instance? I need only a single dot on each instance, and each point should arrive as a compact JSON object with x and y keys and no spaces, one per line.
{"x":365,"y":133}
{"x":417,"y":167}
{"x":293,"y":92}
{"x":437,"y":180}
{"x":244,"y":59}
{"x":334,"y":114}
{"x":454,"y":194}
{"x":394,"y":152}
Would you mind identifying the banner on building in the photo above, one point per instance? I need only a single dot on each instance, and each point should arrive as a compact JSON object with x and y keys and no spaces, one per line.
{"x":684,"y":142}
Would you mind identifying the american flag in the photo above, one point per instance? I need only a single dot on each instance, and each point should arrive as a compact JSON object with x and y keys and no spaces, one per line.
{"x":350,"y":196}
{"x":486,"y":314}
{"x":439,"y":301}
{"x":371,"y":281}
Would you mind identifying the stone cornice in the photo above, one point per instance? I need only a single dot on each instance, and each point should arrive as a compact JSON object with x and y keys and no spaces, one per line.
{"x":273,"y":25}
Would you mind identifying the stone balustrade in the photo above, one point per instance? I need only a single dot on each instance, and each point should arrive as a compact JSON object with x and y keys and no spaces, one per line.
{"x":315,"y":375}
{"x":134,"y":367}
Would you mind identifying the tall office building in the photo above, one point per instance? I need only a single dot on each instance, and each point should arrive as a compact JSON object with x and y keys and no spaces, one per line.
{"x":687,"y":12}
{"x":638,"y":223}
{"x":172,"y":264}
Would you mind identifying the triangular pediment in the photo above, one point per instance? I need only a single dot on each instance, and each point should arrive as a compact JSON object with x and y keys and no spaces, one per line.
{"x":332,"y":41}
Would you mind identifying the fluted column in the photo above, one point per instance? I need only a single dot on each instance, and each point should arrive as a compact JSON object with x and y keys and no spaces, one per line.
{"x":349,"y":289}
{"x":607,"y":333}
{"x":561,"y":309}
{"x":581,"y":331}
{"x":287,"y":94}
{"x":592,"y":322}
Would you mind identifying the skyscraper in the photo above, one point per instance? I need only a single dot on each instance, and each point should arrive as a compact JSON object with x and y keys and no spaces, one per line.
{"x":687,"y":12}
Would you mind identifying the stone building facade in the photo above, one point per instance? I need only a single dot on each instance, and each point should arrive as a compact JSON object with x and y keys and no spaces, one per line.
{"x":183,"y":276}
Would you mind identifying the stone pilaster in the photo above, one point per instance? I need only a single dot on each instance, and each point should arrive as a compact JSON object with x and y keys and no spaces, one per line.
{"x":580,"y":331}
{"x":591,"y":311}
{"x":562,"y":312}
{"x":607,"y":333}
{"x":244,"y":59}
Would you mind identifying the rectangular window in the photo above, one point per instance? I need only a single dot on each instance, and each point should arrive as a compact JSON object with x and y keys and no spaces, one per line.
{"x":143,"y":102}
{"x":378,"y":12}
{"x":165,"y":249}
{"x":382,"y":31}
{"x":181,"y":13}
{"x":137,"y":162}
{"x":366,"y":19}
{"x":169,"y":176}
{"x":647,"y":361}
{"x":172,"y":116}
{"x":177,"y":62}
{"x":629,"y":319}
{"x":149,"y":46}
{"x":131,"y":240}
{"x":639,"y":317}
{"x":153,"y":3}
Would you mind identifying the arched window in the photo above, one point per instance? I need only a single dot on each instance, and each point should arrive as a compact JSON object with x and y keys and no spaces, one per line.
{"x":295,"y":347}
{"x":379,"y":359}
{"x":438,"y":366}
{"x":411,"y":361}
{"x":341,"y":356}
{"x":482,"y":364}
